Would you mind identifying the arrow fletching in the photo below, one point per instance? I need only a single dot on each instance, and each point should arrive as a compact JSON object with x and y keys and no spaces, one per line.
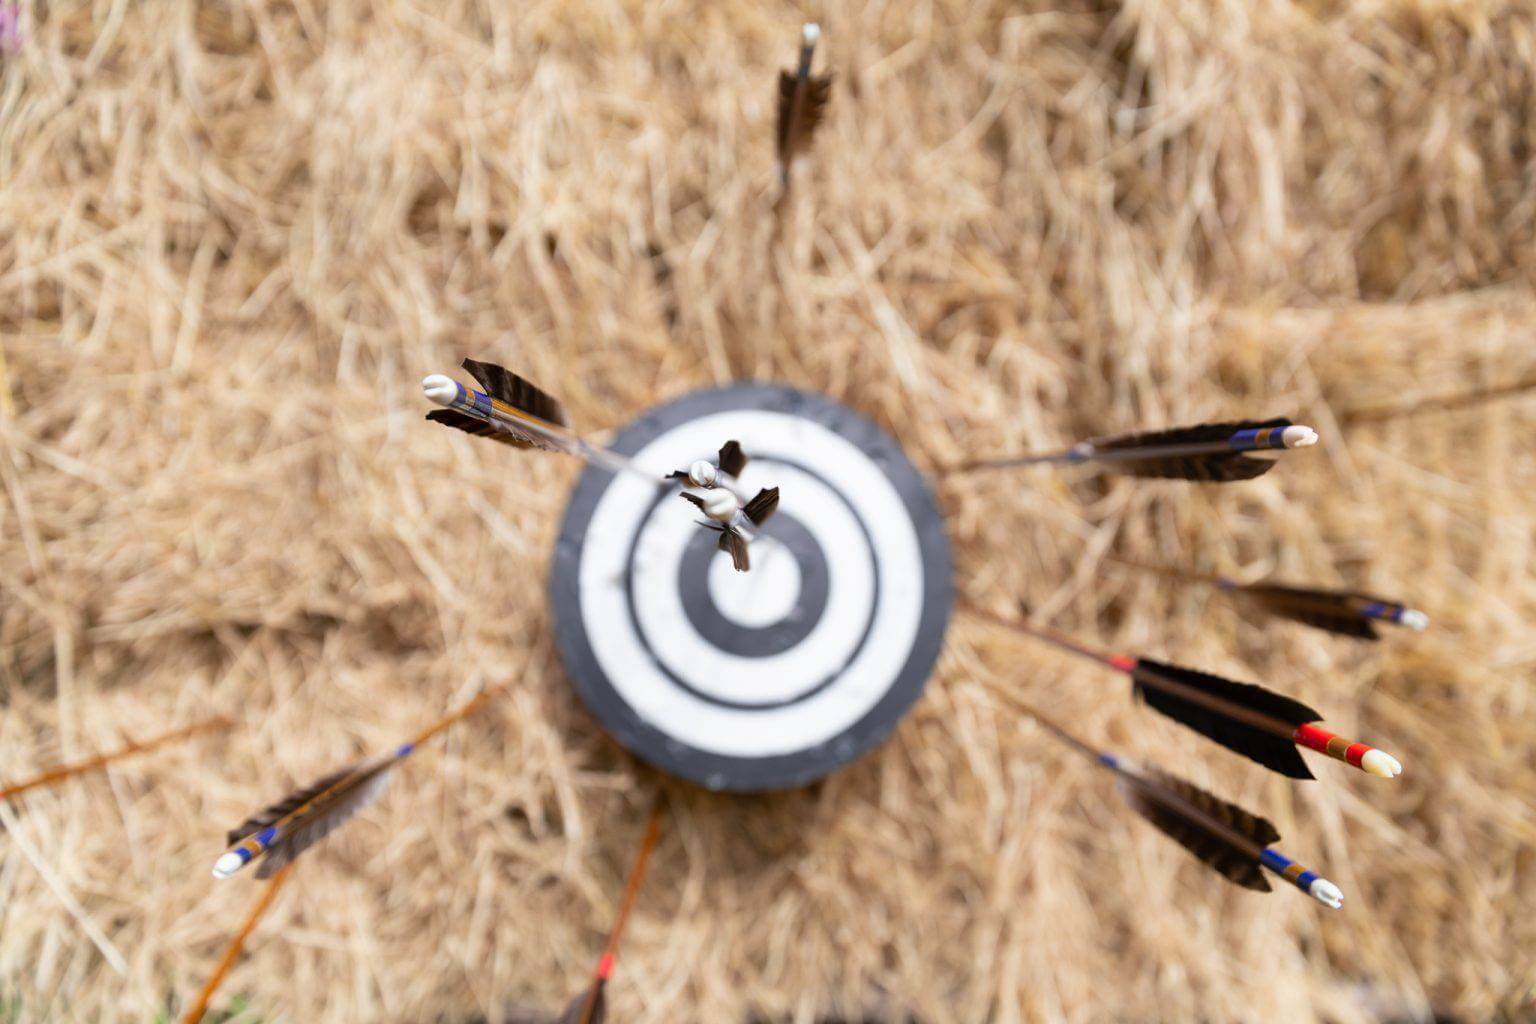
{"x":1210,"y":452}
{"x":1221,"y":834}
{"x":1176,"y":692}
{"x":803,"y":100}
{"x":281,"y":832}
{"x":762,"y":506}
{"x":1337,"y":611}
{"x":1247,"y":719}
{"x":513,"y":410}
{"x":733,"y":544}
{"x":519,"y":393}
{"x":732,"y":459}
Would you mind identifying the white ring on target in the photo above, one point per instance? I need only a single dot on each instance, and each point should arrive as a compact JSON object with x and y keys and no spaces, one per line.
{"x":861,"y":683}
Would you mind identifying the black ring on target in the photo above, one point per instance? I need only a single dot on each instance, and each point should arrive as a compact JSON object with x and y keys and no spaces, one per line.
{"x":759,"y":641}
{"x":748,"y":641}
{"x":886,"y":663}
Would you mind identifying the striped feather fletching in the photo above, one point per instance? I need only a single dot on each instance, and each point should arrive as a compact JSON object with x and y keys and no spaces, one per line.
{"x":1336,"y":611}
{"x":1276,"y":752}
{"x":459,"y":421}
{"x":304,"y":818}
{"x":284,"y":807}
{"x":1215,"y":831}
{"x":499,"y":382}
{"x":734,"y":545}
{"x":511,"y":390}
{"x":800,"y":112}
{"x":1213,"y":467}
{"x":764,"y":505}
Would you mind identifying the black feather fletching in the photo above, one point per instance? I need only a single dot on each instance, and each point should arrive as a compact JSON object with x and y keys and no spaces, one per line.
{"x":800,"y":116}
{"x":1274,"y":752}
{"x":1177,"y":809}
{"x":508,"y":387}
{"x":499,"y":382}
{"x":459,"y":421}
{"x":732,"y":459}
{"x":1336,"y":611}
{"x":1215,"y":467}
{"x":733,"y":544}
{"x":761,"y":507}
{"x":692,"y":499}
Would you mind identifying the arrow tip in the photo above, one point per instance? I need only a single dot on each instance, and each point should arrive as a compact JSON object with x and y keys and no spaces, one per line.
{"x":439,"y":388}
{"x":1381,"y":764}
{"x":227,"y":865}
{"x":1326,"y":893}
{"x":1298,"y":437}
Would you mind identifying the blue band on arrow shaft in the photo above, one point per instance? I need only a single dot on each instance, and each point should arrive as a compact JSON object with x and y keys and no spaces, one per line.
{"x":1383,"y":610}
{"x":1257,"y":439}
{"x":1287,"y":869}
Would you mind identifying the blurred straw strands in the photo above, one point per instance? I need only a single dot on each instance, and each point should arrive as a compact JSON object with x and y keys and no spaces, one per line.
{"x":233,"y":237}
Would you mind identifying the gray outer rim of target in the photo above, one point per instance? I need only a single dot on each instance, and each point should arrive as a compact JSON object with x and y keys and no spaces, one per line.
{"x":784,"y":771}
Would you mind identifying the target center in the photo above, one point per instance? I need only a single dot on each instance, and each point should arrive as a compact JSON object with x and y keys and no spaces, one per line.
{"x":761,"y":597}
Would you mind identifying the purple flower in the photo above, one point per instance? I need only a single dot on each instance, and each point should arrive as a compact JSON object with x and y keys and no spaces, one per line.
{"x":10,"y":29}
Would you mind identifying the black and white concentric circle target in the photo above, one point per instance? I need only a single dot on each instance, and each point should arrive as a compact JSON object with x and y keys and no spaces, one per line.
{"x":772,"y":678}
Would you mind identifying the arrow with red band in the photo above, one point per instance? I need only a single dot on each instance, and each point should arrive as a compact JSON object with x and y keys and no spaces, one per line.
{"x":1258,"y":723}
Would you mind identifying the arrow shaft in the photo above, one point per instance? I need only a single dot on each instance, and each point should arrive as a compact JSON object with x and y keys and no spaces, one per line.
{"x":232,"y":953}
{"x":626,"y":904}
{"x":1055,"y":639}
{"x":510,"y":420}
{"x":63,"y":772}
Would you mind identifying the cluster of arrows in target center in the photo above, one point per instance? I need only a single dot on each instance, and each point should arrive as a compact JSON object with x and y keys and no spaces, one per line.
{"x":1246,"y":718}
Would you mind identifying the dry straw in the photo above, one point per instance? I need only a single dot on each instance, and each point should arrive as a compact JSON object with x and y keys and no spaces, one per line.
{"x":234,"y":237}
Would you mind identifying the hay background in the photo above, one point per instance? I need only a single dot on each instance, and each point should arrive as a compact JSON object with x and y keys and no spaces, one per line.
{"x":233,"y":237}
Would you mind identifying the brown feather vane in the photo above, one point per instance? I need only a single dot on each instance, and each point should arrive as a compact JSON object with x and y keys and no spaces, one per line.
{"x":305,"y":817}
{"x":1337,"y":611}
{"x":803,"y":100}
{"x":761,"y":507}
{"x":732,"y":459}
{"x":1221,"y":834}
{"x":1212,"y":467}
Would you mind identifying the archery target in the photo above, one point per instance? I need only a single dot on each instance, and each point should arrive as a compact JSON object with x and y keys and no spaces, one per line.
{"x":771,"y":678}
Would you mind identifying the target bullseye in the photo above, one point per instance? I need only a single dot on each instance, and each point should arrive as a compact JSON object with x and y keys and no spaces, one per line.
{"x":766,"y":679}
{"x":761,"y":597}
